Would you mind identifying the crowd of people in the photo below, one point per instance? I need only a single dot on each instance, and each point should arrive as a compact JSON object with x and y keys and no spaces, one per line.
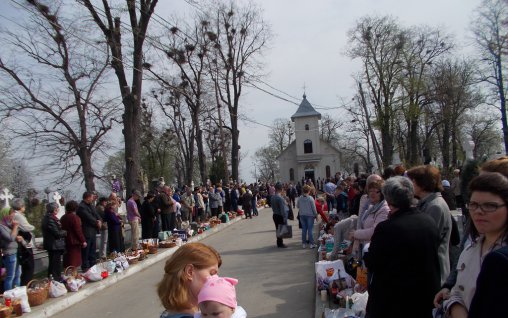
{"x":400,"y":225}
{"x":72,"y":239}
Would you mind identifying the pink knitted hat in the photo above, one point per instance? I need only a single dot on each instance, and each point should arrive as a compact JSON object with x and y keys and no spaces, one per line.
{"x":219,"y":289}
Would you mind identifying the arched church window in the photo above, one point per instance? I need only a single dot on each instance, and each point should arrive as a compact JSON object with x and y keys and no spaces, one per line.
{"x":291,"y":174}
{"x":328,"y":173}
{"x":306,"y":126}
{"x":307,"y":146}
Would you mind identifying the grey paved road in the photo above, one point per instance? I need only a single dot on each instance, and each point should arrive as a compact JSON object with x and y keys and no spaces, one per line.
{"x":273,"y":282}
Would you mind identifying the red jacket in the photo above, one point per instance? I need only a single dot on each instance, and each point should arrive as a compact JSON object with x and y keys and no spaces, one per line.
{"x":320,"y":209}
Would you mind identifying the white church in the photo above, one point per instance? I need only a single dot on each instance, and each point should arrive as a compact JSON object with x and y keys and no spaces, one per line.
{"x":309,"y":156}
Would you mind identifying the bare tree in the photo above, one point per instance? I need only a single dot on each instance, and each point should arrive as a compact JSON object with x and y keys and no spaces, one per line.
{"x":187,"y":50}
{"x":452,"y":90}
{"x":379,"y":42}
{"x":490,"y":29}
{"x":329,"y":129}
{"x":158,"y":143}
{"x":281,"y":134}
{"x":66,"y":121}
{"x":5,"y":163}
{"x":266,"y":164}
{"x":484,"y":132}
{"x":356,"y":141}
{"x":422,"y":47}
{"x":183,"y":132}
{"x":239,"y":35}
{"x":140,"y":13}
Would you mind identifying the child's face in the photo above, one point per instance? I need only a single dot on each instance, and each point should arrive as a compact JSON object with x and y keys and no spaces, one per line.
{"x":215,"y":310}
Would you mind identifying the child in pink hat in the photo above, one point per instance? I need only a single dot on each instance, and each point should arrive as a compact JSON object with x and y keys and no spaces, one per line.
{"x":217,"y":298}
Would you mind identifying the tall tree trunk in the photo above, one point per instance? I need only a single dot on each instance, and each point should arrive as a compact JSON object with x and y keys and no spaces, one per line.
{"x":387,"y":136}
{"x":413,"y":143}
{"x":235,"y":149}
{"x":88,"y":174}
{"x":453,"y":137}
{"x":387,"y":145}
{"x":201,"y":154}
{"x":132,"y":121}
{"x":111,"y":28}
{"x":189,"y":164}
{"x":445,"y":151}
{"x":375,"y":144}
{"x":502,"y":99}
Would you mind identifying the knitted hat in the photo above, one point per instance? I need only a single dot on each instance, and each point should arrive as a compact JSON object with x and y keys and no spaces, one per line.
{"x":219,"y":289}
{"x":445,"y":183}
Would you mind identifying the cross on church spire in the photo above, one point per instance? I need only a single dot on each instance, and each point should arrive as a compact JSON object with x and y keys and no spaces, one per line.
{"x":304,"y":95}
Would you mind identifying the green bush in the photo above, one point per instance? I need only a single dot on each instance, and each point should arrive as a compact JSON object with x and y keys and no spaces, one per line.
{"x":34,"y":214}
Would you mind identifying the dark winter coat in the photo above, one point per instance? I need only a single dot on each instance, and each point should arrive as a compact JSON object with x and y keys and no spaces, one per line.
{"x":489,"y":299}
{"x":52,"y":233}
{"x":404,"y":264}
{"x":89,"y":217}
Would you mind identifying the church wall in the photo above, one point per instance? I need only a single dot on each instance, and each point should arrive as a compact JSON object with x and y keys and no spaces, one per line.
{"x":287,"y":161}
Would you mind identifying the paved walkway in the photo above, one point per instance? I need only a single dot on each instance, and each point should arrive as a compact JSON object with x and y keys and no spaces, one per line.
{"x":273,"y":282}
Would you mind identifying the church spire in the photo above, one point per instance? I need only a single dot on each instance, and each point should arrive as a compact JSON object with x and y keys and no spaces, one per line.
{"x":305,"y":110}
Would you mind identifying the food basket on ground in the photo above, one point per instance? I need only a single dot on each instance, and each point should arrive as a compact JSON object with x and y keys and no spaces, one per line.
{"x":150,"y":245}
{"x":167,"y":244}
{"x":72,"y":279}
{"x":37,"y":291}
{"x":132,"y":257}
{"x":5,"y":311}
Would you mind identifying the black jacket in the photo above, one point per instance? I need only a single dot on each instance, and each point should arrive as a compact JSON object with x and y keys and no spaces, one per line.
{"x":52,"y":233}
{"x":404,"y":265}
{"x":489,"y":299}
{"x":89,"y":217}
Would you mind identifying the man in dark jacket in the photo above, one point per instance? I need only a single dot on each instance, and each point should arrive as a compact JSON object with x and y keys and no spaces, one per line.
{"x":91,"y":223}
{"x":279,"y":211}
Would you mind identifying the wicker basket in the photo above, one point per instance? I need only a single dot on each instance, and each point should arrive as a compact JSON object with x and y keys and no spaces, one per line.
{"x":166,"y":244}
{"x":5,"y":312}
{"x":37,"y":291}
{"x":152,"y":249}
{"x":71,"y":271}
{"x":132,"y":260}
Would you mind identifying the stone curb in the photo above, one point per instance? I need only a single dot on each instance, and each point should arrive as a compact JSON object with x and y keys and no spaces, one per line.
{"x":55,"y":305}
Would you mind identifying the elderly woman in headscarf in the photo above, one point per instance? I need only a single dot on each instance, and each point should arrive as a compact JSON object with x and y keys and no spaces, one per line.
{"x":53,"y":240}
{"x":402,"y":258}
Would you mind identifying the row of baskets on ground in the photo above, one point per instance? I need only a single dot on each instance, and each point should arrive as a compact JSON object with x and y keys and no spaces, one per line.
{"x":20,"y":299}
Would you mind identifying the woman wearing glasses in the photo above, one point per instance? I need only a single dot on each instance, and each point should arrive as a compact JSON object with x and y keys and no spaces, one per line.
{"x":377,"y":212}
{"x":488,"y":231}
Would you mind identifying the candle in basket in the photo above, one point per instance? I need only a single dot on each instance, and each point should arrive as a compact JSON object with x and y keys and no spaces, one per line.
{"x":324,"y":295}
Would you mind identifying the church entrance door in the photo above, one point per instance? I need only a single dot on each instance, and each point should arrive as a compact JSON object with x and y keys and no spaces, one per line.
{"x":309,"y":174}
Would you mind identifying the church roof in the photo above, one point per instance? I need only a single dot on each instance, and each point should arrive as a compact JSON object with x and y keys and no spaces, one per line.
{"x":305,"y":110}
